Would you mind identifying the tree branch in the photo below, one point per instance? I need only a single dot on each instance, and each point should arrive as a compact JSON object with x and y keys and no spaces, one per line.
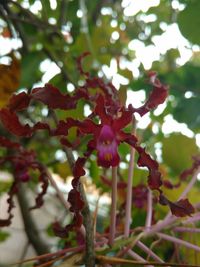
{"x":30,"y":227}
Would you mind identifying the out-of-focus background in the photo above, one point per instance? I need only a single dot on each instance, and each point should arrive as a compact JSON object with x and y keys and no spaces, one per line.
{"x":39,"y":43}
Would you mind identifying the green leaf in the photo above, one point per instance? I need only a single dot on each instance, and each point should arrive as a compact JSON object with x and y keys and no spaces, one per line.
{"x":187,"y":111}
{"x":4,"y":186}
{"x":189,"y":21}
{"x":177,"y":152}
{"x":30,"y":68}
{"x":3,"y":236}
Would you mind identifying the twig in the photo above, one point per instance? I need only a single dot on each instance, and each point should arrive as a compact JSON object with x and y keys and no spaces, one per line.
{"x":113,"y":207}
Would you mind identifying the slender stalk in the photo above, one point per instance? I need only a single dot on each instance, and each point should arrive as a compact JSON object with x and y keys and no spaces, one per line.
{"x":137,"y":257}
{"x":149,"y":210}
{"x":149,"y":251}
{"x":179,"y":241}
{"x":59,"y":193}
{"x":187,"y":189}
{"x":186,"y":229}
{"x":113,"y":207}
{"x":190,"y":185}
{"x":129,"y":193}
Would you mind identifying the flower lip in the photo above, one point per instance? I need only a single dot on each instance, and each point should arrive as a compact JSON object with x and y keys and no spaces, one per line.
{"x":107,"y":147}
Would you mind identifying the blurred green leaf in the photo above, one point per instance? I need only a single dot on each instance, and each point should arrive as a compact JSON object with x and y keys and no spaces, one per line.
{"x":3,"y":236}
{"x":189,"y":21}
{"x":30,"y":72}
{"x":177,"y":152}
{"x":187,"y":111}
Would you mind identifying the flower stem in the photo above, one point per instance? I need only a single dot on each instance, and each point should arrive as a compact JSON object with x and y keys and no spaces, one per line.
{"x":129,"y":194}
{"x":149,"y":251}
{"x":149,"y":210}
{"x":179,"y":241}
{"x":129,"y":188}
{"x":59,"y":193}
{"x":113,"y":207}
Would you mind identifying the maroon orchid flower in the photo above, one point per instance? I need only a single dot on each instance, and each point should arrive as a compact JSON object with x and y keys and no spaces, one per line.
{"x":21,"y":161}
{"x":105,"y":126}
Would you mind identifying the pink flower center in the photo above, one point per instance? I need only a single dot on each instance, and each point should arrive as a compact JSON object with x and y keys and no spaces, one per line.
{"x":107,"y":147}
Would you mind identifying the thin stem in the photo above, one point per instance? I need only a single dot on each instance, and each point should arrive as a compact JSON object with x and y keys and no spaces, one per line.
{"x":149,"y":210}
{"x":149,"y":251}
{"x":161,"y":224}
{"x":186,"y":229}
{"x":129,"y":193}
{"x":190,"y":185}
{"x":187,"y":189}
{"x":137,"y":257}
{"x":59,"y":193}
{"x":113,"y":206}
{"x":179,"y":241}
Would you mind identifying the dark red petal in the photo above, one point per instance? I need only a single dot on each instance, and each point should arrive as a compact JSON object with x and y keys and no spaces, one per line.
{"x":59,"y":230}
{"x":79,"y":63}
{"x":156,"y":97}
{"x":190,"y":171}
{"x":44,"y":185}
{"x":144,"y":160}
{"x":168,"y":184}
{"x":4,"y":142}
{"x":74,"y":198}
{"x":52,"y":97}
{"x":180,"y":208}
{"x":78,"y":170}
{"x":128,"y":138}
{"x":100,"y":110}
{"x":11,"y":193}
{"x":12,"y":124}
{"x":123,"y":121}
{"x":19,"y":101}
